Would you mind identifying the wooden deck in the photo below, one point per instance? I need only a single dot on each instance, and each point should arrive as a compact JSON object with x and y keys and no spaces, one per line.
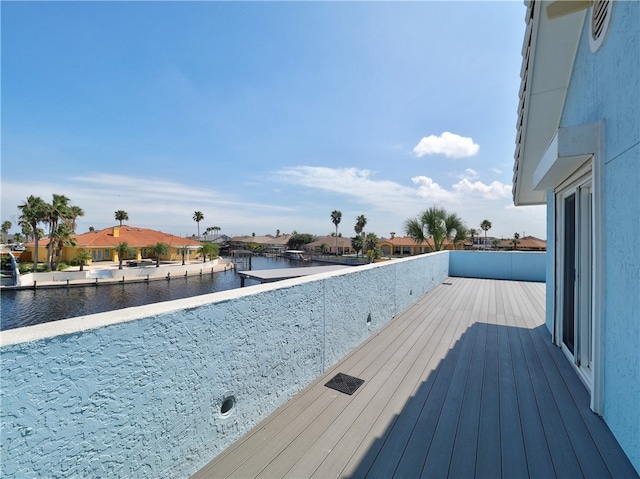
{"x":465,"y":383}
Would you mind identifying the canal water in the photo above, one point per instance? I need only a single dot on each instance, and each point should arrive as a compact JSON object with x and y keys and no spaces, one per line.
{"x":29,"y":307}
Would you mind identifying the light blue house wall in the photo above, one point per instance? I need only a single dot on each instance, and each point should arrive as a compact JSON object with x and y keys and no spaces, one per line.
{"x":550,"y":261}
{"x":605,"y":86}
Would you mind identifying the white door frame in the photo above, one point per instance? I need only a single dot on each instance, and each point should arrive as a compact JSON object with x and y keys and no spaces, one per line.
{"x":578,"y":349}
{"x":571,"y":150}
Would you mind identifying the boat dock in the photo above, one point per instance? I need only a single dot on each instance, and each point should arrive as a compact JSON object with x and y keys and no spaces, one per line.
{"x":271,"y":275}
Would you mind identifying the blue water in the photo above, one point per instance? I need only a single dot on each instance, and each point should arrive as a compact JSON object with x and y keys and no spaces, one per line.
{"x":29,"y":307}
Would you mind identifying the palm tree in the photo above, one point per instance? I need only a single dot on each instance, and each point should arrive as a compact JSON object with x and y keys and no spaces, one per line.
{"x":217,"y":230}
{"x":371,"y":241}
{"x":198,"y":216}
{"x":461,"y":235}
{"x":472,"y":234}
{"x":26,"y":230}
{"x":485,"y":226}
{"x":495,"y":243}
{"x":62,"y":237}
{"x":6,"y":226}
{"x":121,"y":216}
{"x":516,"y":240}
{"x":371,"y":246}
{"x":123,"y":249}
{"x":435,"y":223}
{"x":361,"y":222}
{"x":336,"y":217}
{"x":357,"y":244}
{"x":159,"y":249}
{"x":208,"y":249}
{"x":82,"y":257}
{"x":57,"y":211}
{"x":74,"y":213}
{"x":34,"y":212}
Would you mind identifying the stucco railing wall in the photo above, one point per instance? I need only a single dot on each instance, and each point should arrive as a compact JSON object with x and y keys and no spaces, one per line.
{"x":507,"y":265}
{"x":138,"y":392}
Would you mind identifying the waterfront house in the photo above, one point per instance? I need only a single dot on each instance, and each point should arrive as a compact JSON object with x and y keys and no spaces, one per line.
{"x":268,"y":243}
{"x":525,"y":243}
{"x":102,"y":245}
{"x":578,"y":152}
{"x":406,"y":246}
{"x":343,"y":245}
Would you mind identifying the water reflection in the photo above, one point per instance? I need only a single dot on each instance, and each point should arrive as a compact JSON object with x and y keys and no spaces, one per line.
{"x":29,"y":307}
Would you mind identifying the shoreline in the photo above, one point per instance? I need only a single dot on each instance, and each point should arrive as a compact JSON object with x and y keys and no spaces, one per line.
{"x":110,"y":275}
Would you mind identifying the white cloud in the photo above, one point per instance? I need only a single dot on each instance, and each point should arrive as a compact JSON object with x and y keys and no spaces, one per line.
{"x":448,"y":144}
{"x":349,"y":181}
{"x":150,"y":203}
{"x":385,"y":194}
{"x":494,"y":191}
{"x":388,"y":204}
{"x":432,"y":191}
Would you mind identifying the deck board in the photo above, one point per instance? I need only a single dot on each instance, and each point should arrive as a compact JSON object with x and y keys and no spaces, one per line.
{"x":465,"y":382}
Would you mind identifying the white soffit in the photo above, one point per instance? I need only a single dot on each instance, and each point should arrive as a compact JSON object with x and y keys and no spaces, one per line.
{"x":570,"y":148}
{"x":554,"y":45}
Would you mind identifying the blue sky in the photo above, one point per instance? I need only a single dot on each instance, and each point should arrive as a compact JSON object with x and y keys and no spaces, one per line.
{"x":264,"y":116}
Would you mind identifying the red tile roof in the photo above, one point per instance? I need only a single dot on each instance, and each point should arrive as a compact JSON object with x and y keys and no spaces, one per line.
{"x":132,"y":235}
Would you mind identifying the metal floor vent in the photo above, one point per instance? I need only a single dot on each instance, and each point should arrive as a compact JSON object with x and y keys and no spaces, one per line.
{"x":345,"y":383}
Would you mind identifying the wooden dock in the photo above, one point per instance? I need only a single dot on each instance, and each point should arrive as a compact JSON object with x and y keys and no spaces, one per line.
{"x":465,"y":383}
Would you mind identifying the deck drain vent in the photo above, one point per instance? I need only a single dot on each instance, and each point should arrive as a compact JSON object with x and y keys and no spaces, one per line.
{"x":345,"y":383}
{"x":227,"y":406}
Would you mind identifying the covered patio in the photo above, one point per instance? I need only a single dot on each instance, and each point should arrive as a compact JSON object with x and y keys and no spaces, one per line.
{"x":464,"y":383}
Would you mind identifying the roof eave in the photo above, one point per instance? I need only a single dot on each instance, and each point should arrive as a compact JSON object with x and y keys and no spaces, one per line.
{"x":549,"y":51}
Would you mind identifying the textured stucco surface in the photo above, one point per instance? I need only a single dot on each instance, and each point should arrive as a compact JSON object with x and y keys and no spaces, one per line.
{"x":138,"y":392}
{"x":605,"y":86}
{"x":509,"y":265}
{"x":551,"y":249}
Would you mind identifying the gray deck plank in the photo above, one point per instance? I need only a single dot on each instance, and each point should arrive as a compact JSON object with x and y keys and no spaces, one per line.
{"x":465,"y":382}
{"x":322,"y":437}
{"x":337,"y":458}
{"x":441,"y":407}
{"x":382,"y":459}
{"x":539,"y":459}
{"x":400,"y":381}
{"x":513,"y":455}
{"x":367,"y":453}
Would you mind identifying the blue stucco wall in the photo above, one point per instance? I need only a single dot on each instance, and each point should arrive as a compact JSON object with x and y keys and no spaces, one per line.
{"x":141,"y":395}
{"x":551,"y":248}
{"x":605,"y":86}
{"x":509,"y":265}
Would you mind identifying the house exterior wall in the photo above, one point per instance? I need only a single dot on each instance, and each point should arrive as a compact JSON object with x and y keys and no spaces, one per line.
{"x":605,"y":86}
{"x":551,"y":258}
{"x":138,"y":392}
